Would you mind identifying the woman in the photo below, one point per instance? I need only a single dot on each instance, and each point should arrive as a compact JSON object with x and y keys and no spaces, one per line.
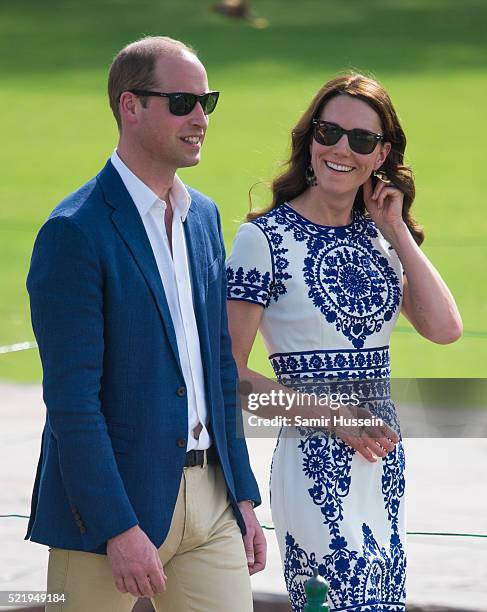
{"x":324,"y":273}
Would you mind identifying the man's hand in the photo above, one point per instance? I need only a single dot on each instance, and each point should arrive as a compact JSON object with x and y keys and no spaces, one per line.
{"x":254,"y":540}
{"x":136,"y":566}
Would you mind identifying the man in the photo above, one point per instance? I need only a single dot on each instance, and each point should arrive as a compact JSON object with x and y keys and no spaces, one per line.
{"x":142,"y":477}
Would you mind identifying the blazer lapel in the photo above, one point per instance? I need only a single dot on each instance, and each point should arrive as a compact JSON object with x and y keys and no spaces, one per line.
{"x":129,"y":225}
{"x":198,"y":264}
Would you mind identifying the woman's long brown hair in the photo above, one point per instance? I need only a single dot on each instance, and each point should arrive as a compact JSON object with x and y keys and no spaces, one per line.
{"x":292,"y":183}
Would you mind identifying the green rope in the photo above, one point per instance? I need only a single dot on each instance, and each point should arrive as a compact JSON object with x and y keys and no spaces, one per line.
{"x":23,"y":516}
{"x":271,"y":528}
{"x":439,"y":533}
{"x":425,"y":533}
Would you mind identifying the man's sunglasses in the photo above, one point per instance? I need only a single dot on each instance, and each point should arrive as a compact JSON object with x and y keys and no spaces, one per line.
{"x":360,"y":141}
{"x":181,"y":103}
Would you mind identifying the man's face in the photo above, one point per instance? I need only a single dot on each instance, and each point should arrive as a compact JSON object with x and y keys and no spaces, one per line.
{"x":170,"y":140}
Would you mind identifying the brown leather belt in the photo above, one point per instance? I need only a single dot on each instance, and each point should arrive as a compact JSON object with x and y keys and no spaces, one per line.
{"x":197,"y":457}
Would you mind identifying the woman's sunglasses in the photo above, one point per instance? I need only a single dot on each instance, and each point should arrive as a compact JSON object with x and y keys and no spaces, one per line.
{"x":181,"y":103}
{"x":360,"y":141}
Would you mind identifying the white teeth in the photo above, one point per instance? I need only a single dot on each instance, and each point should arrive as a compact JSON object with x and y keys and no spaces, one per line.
{"x":338,"y":167}
{"x":192,"y":139}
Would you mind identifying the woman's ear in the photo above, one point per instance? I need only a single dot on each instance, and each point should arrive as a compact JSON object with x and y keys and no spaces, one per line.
{"x":385,"y":150}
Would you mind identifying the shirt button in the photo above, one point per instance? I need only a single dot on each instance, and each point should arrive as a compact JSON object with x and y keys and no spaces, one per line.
{"x":182,"y":443}
{"x":181,"y":391}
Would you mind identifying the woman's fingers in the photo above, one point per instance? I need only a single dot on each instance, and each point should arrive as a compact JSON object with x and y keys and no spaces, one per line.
{"x":388,"y":432}
{"x":384,"y":436}
{"x":362,"y":447}
{"x":370,"y":442}
{"x":378,"y":190}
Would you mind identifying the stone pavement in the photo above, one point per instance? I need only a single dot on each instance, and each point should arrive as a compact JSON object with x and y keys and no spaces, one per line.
{"x":446,"y":491}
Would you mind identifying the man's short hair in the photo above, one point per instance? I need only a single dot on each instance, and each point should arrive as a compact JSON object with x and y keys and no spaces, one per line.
{"x":133,"y":67}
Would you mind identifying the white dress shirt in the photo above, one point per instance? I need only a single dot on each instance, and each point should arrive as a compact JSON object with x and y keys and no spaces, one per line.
{"x":175,"y":277}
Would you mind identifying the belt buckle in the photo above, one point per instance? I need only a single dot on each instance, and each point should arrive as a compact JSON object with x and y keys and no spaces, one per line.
{"x":193,"y":458}
{"x":199,"y":458}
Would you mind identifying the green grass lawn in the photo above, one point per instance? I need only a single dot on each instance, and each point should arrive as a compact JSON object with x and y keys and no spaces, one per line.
{"x":430,"y":54}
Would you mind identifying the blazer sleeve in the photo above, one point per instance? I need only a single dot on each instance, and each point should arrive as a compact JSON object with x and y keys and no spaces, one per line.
{"x":66,"y":297}
{"x":246,"y":487}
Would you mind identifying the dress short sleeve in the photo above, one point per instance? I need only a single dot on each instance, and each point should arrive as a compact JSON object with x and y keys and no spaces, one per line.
{"x":250,"y":274}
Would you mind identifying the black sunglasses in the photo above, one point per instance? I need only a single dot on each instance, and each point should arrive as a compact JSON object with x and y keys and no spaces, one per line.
{"x":181,"y":103}
{"x":360,"y":141}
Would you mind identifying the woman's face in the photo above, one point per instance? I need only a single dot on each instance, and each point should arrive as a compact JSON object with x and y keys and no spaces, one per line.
{"x":338,"y":169}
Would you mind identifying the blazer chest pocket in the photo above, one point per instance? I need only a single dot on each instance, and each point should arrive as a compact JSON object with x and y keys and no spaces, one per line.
{"x":121,"y":436}
{"x":214,"y":270}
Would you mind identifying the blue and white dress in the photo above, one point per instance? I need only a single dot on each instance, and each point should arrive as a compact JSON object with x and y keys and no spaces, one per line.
{"x":331,"y":297}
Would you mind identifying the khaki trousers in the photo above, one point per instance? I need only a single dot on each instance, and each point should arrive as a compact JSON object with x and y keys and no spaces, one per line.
{"x":203,"y":557}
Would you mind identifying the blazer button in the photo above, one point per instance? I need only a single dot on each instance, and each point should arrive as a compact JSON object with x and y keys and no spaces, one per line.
{"x":82,"y":529}
{"x":181,"y":391}
{"x":182,"y":443}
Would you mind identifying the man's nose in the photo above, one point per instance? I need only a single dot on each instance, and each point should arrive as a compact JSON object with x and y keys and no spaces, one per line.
{"x":198,"y":116}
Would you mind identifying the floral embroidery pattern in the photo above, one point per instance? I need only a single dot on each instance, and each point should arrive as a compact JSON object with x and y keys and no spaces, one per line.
{"x":348,"y":278}
{"x":372,"y":578}
{"x":259,"y":287}
{"x":298,"y":567}
{"x":332,"y":482}
{"x":252,"y":286}
{"x":357,"y":584}
{"x":364,"y":372}
{"x":352,"y":284}
{"x":367,"y":363}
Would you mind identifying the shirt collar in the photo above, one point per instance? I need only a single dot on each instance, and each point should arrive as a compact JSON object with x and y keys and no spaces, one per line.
{"x":143,"y":196}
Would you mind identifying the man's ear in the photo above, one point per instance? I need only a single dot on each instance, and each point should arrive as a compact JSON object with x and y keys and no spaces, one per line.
{"x":128,"y":107}
{"x":386,"y":149}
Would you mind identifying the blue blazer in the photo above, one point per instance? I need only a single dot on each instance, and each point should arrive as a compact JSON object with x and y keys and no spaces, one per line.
{"x":114,"y":441}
